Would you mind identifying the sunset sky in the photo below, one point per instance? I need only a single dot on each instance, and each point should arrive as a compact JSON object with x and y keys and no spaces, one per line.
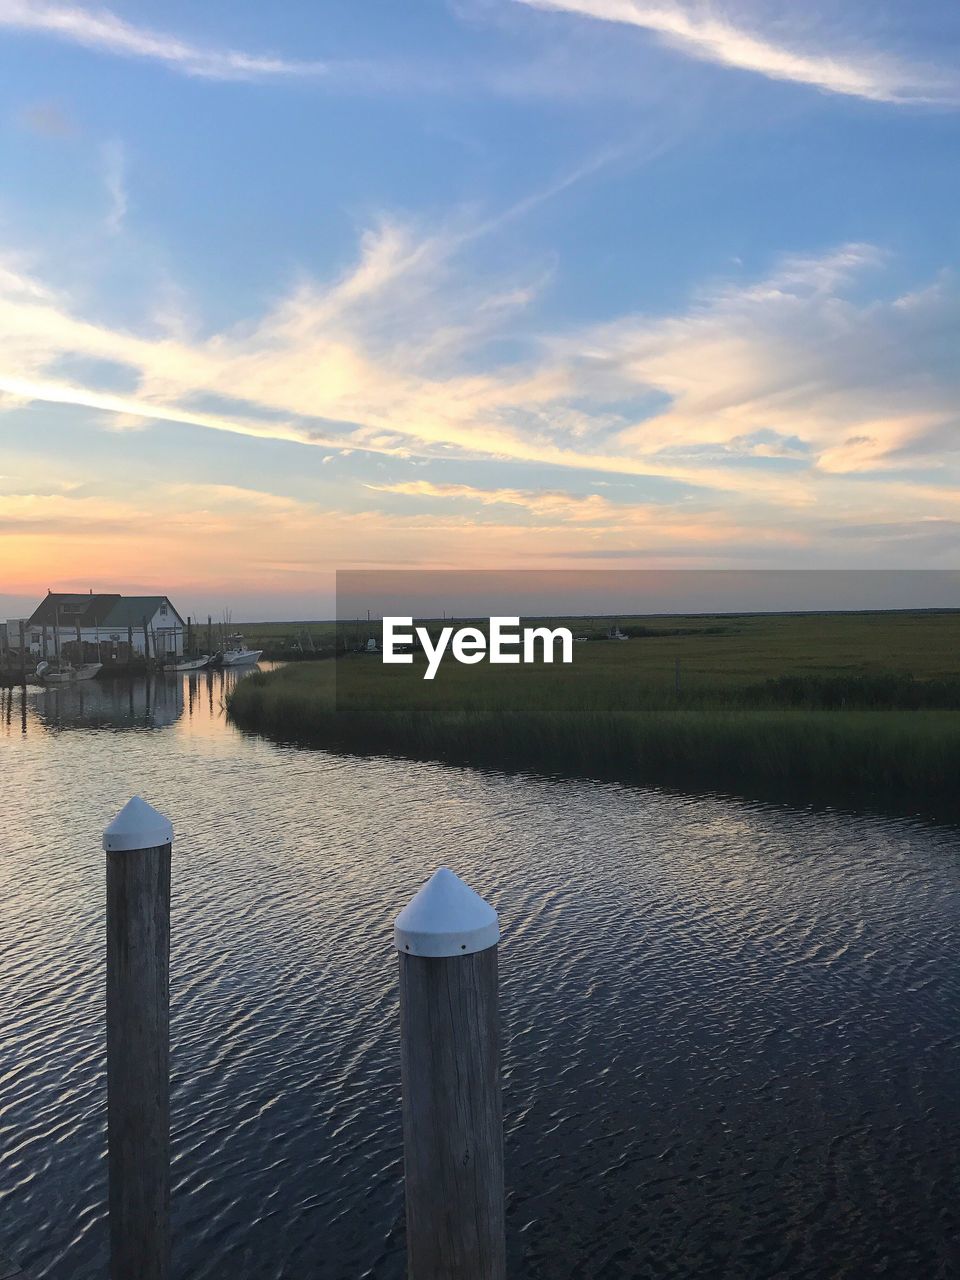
{"x":473,"y":283}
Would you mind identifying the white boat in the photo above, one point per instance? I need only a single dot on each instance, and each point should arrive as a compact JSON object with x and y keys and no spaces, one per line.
{"x":240,"y":657}
{"x":66,"y":673}
{"x":235,"y":653}
{"x":189,"y":664}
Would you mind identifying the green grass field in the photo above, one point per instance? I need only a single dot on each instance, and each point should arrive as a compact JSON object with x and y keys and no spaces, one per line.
{"x":849,"y":706}
{"x":290,"y":640}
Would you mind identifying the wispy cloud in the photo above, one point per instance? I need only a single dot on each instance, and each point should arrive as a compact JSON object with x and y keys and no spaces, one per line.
{"x":106,"y":32}
{"x":114,"y":178}
{"x":292,"y":543}
{"x":555,"y":505}
{"x":703,"y":32}
{"x":859,"y":386}
{"x":670,"y":528}
{"x":558,"y":508}
{"x":765,"y":394}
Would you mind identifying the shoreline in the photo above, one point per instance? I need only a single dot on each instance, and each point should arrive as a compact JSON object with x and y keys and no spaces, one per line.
{"x":902,"y":762}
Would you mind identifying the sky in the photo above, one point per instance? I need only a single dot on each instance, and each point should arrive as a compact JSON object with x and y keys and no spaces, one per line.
{"x":473,"y":284}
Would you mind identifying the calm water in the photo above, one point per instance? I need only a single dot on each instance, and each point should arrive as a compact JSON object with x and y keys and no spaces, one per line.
{"x":731,"y":1030}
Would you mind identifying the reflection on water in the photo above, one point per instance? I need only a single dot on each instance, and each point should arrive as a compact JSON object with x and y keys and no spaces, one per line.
{"x":118,"y":702}
{"x":731,"y":1030}
{"x":150,"y":702}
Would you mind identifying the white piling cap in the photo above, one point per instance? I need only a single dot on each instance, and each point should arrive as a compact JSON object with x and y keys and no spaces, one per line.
{"x":137,"y":826}
{"x":446,"y":918}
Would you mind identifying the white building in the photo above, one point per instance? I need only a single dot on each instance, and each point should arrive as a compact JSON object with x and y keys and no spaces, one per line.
{"x":109,"y":627}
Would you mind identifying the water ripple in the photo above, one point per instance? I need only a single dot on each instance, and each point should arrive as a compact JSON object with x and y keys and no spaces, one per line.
{"x":731,"y":1031}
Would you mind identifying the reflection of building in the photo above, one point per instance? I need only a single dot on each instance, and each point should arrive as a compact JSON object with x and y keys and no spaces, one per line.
{"x":143,"y":702}
{"x":108,"y":628}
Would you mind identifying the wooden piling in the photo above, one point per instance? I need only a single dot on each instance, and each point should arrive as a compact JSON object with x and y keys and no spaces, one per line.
{"x":138,"y":845}
{"x":450,"y":1065}
{"x":23,"y":653}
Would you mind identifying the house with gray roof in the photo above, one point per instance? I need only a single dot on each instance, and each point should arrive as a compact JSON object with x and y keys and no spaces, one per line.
{"x":114,"y":625}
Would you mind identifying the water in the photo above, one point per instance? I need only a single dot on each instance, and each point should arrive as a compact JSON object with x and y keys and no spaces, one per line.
{"x":731,"y":1029}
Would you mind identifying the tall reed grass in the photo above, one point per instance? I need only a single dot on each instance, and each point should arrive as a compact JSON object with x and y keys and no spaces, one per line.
{"x":730,"y":737}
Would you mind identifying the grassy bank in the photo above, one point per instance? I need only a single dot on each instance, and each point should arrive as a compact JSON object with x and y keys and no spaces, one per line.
{"x":846,"y":707}
{"x":289,"y":641}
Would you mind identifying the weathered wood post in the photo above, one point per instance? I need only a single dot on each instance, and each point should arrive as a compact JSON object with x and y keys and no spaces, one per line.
{"x":450,"y":1065}
{"x":137,"y":845}
{"x":23,"y":653}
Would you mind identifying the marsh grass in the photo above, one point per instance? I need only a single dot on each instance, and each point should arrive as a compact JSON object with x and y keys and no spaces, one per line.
{"x":769,"y":706}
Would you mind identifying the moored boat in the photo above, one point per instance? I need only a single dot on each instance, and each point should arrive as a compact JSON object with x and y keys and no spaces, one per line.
{"x":190,"y":664}
{"x":240,"y":657}
{"x":66,"y":673}
{"x":236,"y":654}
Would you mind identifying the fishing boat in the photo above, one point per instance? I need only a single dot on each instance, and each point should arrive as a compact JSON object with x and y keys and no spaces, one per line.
{"x":189,"y":664}
{"x":236,"y":653}
{"x":66,"y":673}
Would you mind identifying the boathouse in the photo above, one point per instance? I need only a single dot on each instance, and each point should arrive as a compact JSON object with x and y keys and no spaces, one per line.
{"x":107,"y":627}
